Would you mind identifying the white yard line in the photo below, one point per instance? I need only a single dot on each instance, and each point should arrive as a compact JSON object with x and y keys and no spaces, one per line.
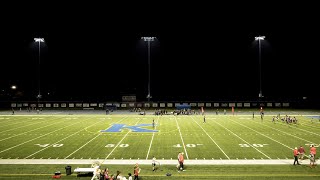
{"x":83,"y":146}
{"x":307,"y":131}
{"x":37,"y":138}
{"x":61,"y":140}
{"x":90,"y":140}
{"x":16,"y":122}
{"x":308,"y":126}
{"x":184,"y":147}
{"x":242,"y":139}
{"x":150,"y":146}
{"x":28,"y":131}
{"x":21,"y":126}
{"x":119,"y":142}
{"x":211,"y":138}
{"x":152,"y":139}
{"x":263,"y":135}
{"x":117,"y":145}
{"x":287,"y":133}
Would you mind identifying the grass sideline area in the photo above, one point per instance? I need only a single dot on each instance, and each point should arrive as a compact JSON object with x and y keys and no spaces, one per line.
{"x":192,"y":172}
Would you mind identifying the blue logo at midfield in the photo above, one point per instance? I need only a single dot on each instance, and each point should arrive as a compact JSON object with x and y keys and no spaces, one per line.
{"x":136,"y":128}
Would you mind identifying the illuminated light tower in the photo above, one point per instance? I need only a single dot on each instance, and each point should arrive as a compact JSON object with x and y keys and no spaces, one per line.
{"x":39,"y":40}
{"x":148,"y":39}
{"x":13,"y":87}
{"x":259,"y":39}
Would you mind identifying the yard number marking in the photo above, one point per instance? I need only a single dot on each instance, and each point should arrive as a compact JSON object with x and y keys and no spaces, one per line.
{"x":254,"y":145}
{"x":187,"y":145}
{"x":121,"y":145}
{"x":46,"y":145}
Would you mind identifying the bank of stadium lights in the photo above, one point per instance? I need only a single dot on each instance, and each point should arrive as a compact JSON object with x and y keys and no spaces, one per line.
{"x":148,"y":39}
{"x":39,"y":40}
{"x":259,"y":39}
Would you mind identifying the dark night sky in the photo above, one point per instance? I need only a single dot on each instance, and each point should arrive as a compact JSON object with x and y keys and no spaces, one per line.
{"x":204,"y":55}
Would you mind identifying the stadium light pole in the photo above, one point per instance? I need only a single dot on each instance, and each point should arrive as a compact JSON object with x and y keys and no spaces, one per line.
{"x":148,"y":39}
{"x":39,"y":40}
{"x":13,"y":91}
{"x":259,"y":39}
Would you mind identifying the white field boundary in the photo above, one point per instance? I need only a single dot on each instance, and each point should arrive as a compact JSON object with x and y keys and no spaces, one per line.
{"x":148,"y":162}
{"x":220,"y":115}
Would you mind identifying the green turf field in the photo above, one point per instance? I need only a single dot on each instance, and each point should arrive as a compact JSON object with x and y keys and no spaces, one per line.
{"x":221,"y":137}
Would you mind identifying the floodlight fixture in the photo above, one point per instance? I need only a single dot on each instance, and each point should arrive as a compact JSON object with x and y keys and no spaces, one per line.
{"x":38,"y":39}
{"x":148,"y":38}
{"x":259,"y":38}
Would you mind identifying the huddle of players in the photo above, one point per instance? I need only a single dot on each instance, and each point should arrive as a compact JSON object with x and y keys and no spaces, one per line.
{"x":287,"y":119}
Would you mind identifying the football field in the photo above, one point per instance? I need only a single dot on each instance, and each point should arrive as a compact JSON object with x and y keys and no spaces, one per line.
{"x":135,"y":137}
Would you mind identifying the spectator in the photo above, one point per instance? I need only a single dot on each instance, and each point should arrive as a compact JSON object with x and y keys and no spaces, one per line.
{"x":130,"y":177}
{"x":295,"y":155}
{"x":301,"y":152}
